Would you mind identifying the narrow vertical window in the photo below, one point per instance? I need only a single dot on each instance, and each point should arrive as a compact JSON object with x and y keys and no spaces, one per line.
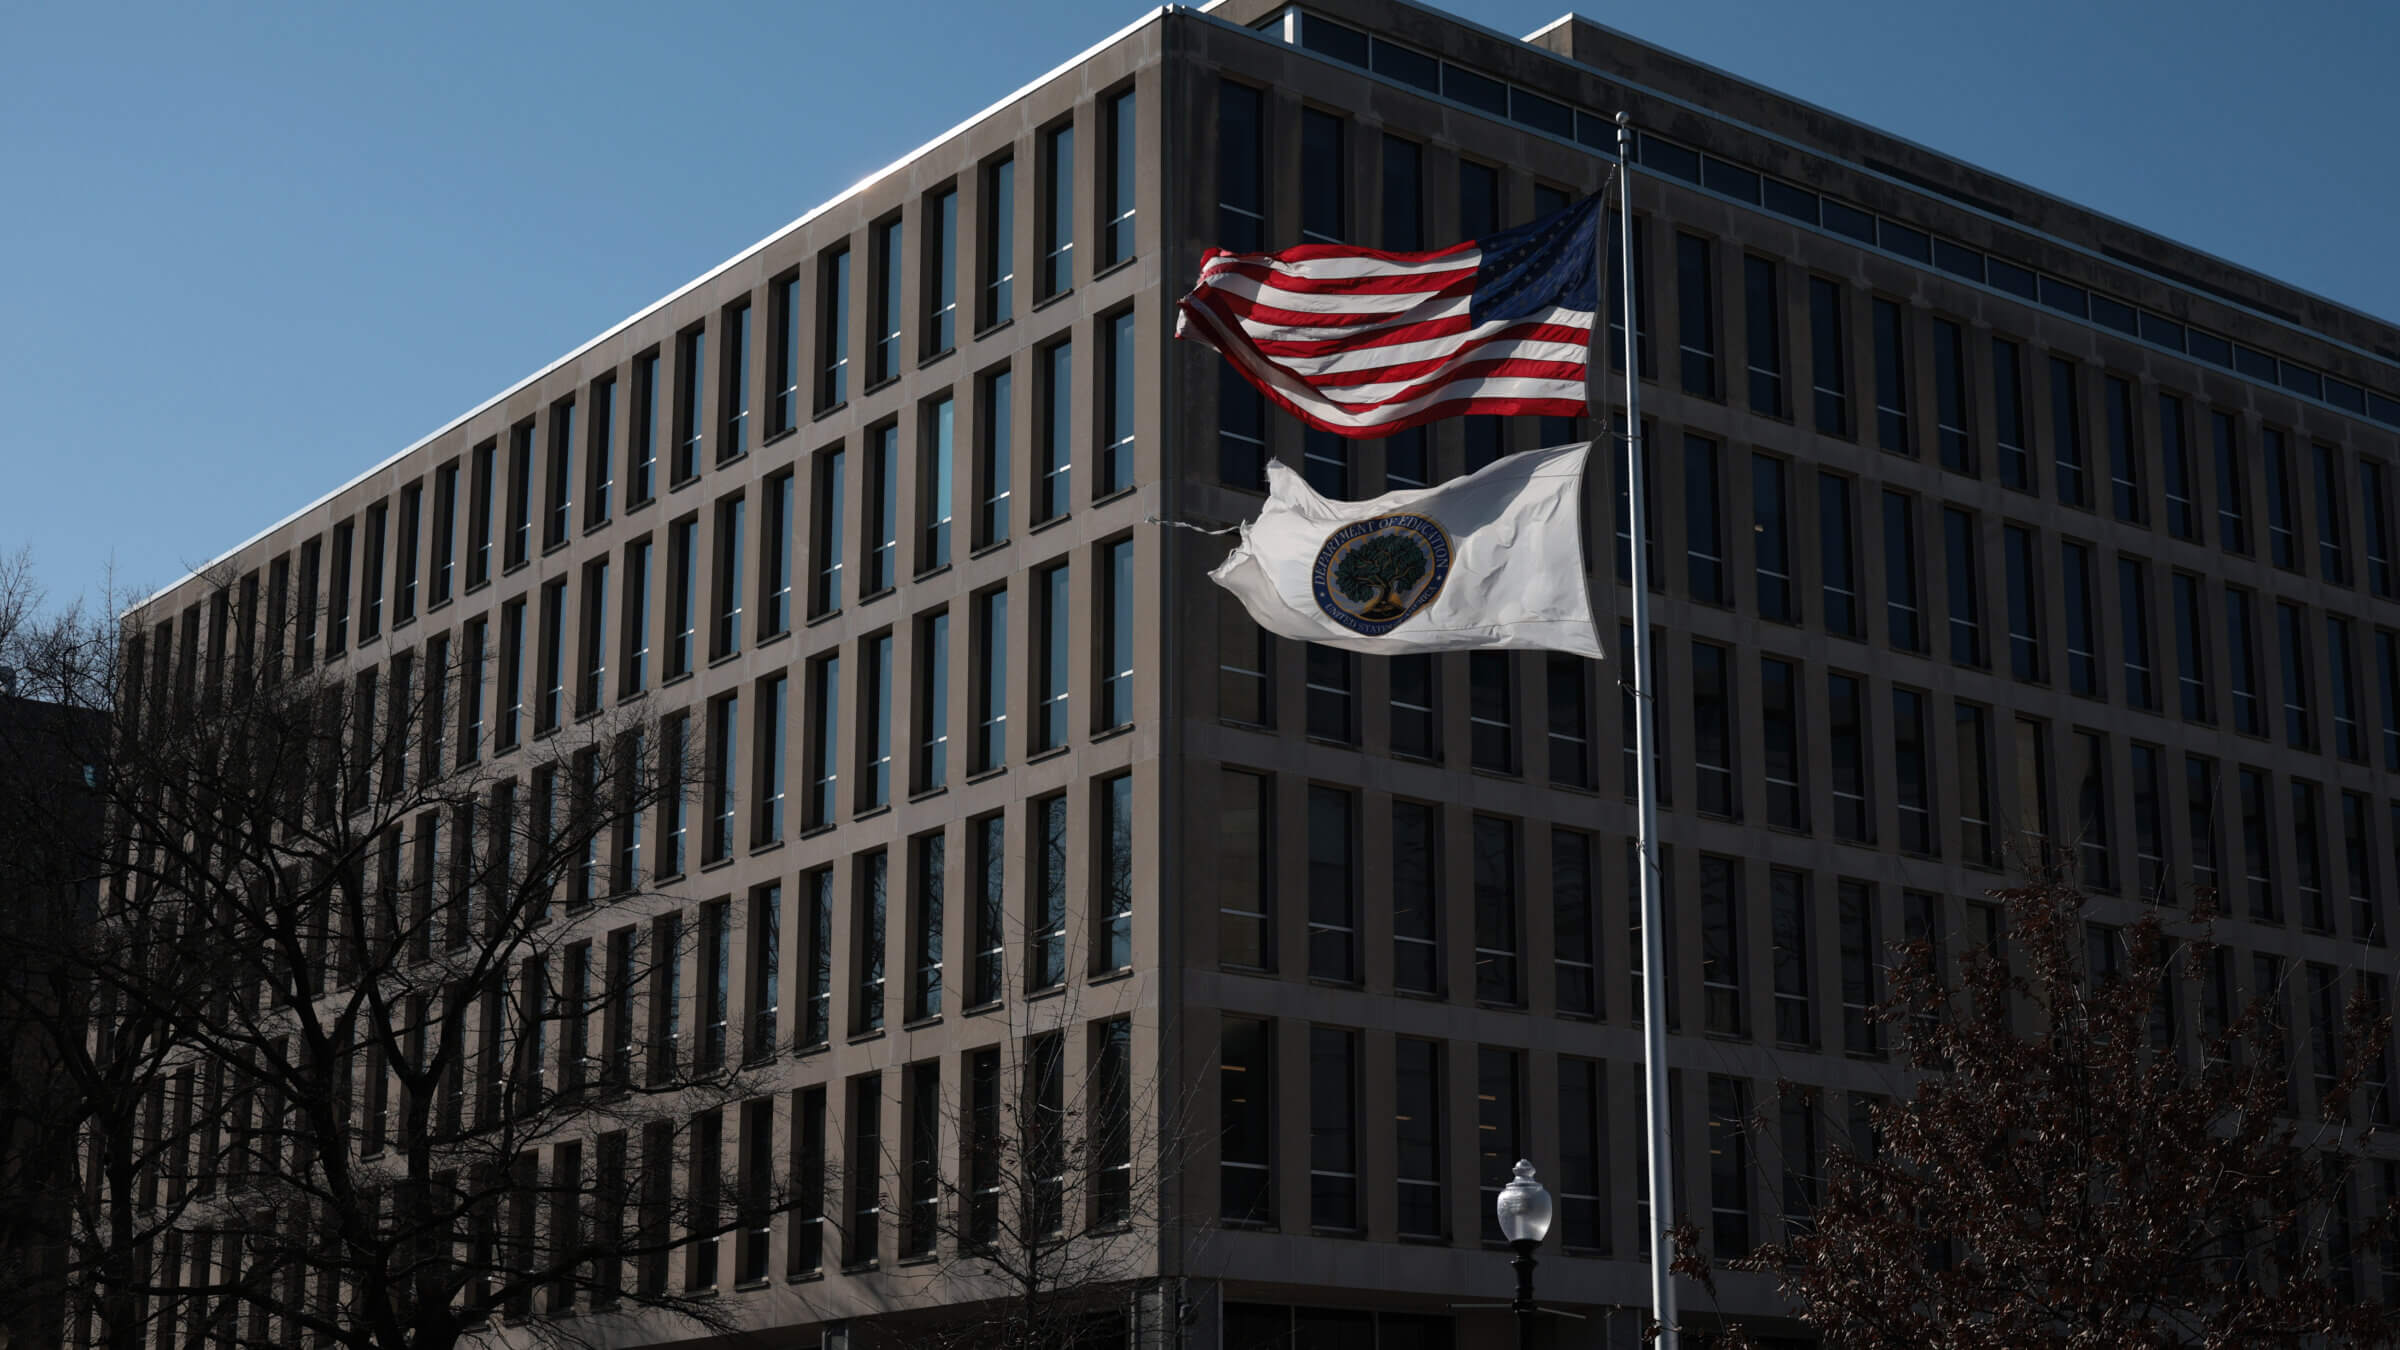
{"x":1965,"y":576}
{"x":641,"y":439}
{"x":2083,"y":620}
{"x":1116,"y":636}
{"x":725,"y":630}
{"x":2133,"y":634}
{"x":1245,"y":871}
{"x":868,"y":916}
{"x":881,"y":512}
{"x":1728,"y":1167}
{"x":1791,"y":918}
{"x":1712,"y":729}
{"x":1114,"y":949}
{"x":683,"y":581}
{"x":775,"y":557}
{"x":1499,"y":1127}
{"x":999,"y":241}
{"x":370,"y":570}
{"x":2299,"y":717}
{"x":1417,"y":1119}
{"x":2366,"y":913}
{"x":2308,"y":858}
{"x":1053,"y":624}
{"x":1497,"y":920}
{"x":2333,"y":559}
{"x":1912,"y":774}
{"x":2283,"y":538}
{"x":1853,"y":821}
{"x":1416,"y":728}
{"x":2149,"y":826}
{"x":875,"y":748}
{"x":1950,"y":398}
{"x":992,"y":468}
{"x":1891,"y":377}
{"x":833,"y":329}
{"x":929,"y":879}
{"x":2258,"y":846}
{"x":404,"y":556}
{"x":765,"y":948}
{"x":2175,"y":467}
{"x":1241,"y":168}
{"x":2129,"y":490}
{"x":986,"y":942}
{"x":1837,"y":557}
{"x":1055,"y":435}
{"x":1828,"y":358}
{"x":2375,"y":508}
{"x":1121,"y":179}
{"x":2024,"y":603}
{"x":2387,"y":681}
{"x":1861,"y":966}
{"x":633,"y":619}
{"x":825,"y":528}
{"x":591,"y":685}
{"x":723,"y":773}
{"x":2008,"y":415}
{"x":2191,"y":651}
{"x":1117,"y":417}
{"x":1703,"y":521}
{"x":774,"y":712}
{"x":2233,"y":498}
{"x":512,"y":674}
{"x":1770,"y":538}
{"x":1779,"y":710}
{"x":991,"y":684}
{"x":1403,"y":195}
{"x":933,"y":701}
{"x":1763,"y":318}
{"x":1568,"y":686}
{"x":1333,"y":1130}
{"x":862,"y":1235}
{"x":1491,"y":710}
{"x":1046,"y":924}
{"x":1331,"y":677}
{"x":937,"y":463}
{"x":1575,"y":937}
{"x":1058,"y":209}
{"x":883,"y":356}
{"x":673,"y":797}
{"x":824,"y":739}
{"x":2095,"y":812}
{"x":480,"y":485}
{"x":784,"y":316}
{"x":1246,"y":1115}
{"x":1721,"y":947}
{"x":1108,"y":1135}
{"x":941,"y":274}
{"x":1696,"y":309}
{"x":2241,"y":663}
{"x":733,"y":393}
{"x":1900,"y":572}
{"x":691,"y":386}
{"x":1416,"y":897}
{"x":2066,"y":434}
{"x":520,"y":496}
{"x":1324,"y":178}
{"x":2200,"y":820}
{"x":1332,"y":885}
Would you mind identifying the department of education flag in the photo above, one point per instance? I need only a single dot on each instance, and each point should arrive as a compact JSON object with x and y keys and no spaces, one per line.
{"x":1494,"y":559}
{"x":1365,"y":343}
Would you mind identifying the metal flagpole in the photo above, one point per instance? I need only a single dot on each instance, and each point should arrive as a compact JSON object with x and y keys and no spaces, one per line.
{"x":1645,"y":741}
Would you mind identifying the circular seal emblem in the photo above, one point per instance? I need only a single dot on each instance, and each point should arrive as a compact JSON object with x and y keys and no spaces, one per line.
{"x":1371,"y":575}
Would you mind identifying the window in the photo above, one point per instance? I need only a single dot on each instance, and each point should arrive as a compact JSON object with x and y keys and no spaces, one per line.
{"x":683,"y":582}
{"x":1245,"y":669}
{"x":992,"y":471}
{"x":1795,"y":976}
{"x":1696,"y":322}
{"x":1770,"y":539}
{"x":674,"y":743}
{"x":2083,"y":620}
{"x":1056,"y":447}
{"x":2258,"y":846}
{"x":765,"y":950}
{"x":2333,"y":561}
{"x":1912,"y":773}
{"x":783,"y":318}
{"x":1246,"y":1114}
{"x":826,"y":528}
{"x":552,"y":656}
{"x":1499,"y":1127}
{"x":2126,"y":462}
{"x":2308,"y":858}
{"x":1763,"y":318}
{"x":733,"y":391}
{"x":1965,"y":577}
{"x":1900,"y":572}
{"x":1116,"y":638}
{"x":512,"y":674}
{"x":1950,"y":398}
{"x":1324,"y":178}
{"x":641,"y":435}
{"x":1333,"y":1129}
{"x":1416,"y":897}
{"x":1491,"y":710}
{"x":1245,"y":871}
{"x":1583,"y":1154}
{"x":833,"y":328}
{"x":520,"y":496}
{"x":1058,"y":209}
{"x":724,"y":722}
{"x":2347,"y":742}
{"x":2133,"y":633}
{"x":1970,"y":727}
{"x":1331,"y":679}
{"x":933,"y":701}
{"x":2191,"y":650}
{"x":2375,"y":506}
{"x":1891,"y":377}
{"x":1721,"y":944}
{"x":1836,"y":558}
{"x":1780,"y":717}
{"x":875,"y":750}
{"x":1575,"y":938}
{"x":2299,"y":721}
{"x":862,"y":1236}
{"x":591,"y":683}
{"x":1862,"y":968}
{"x":1044,"y":1123}
{"x":880,"y":555}
{"x":883,"y":353}
{"x":2149,"y":825}
{"x":929,"y":878}
{"x":1113,"y":949}
{"x":1332,"y":885}
{"x":2200,"y":818}
{"x":775,"y":561}
{"x":2366,"y":913}
{"x":987,"y":940}
{"x":2175,"y":462}
{"x":404,"y":562}
{"x":1853,"y":821}
{"x":2095,"y":811}
{"x":2282,"y":533}
{"x":1712,"y":729}
{"x":1124,"y":369}
{"x":1046,"y":937}
{"x":725,"y":633}
{"x":774,"y":705}
{"x":1569,"y":689}
{"x":999,"y":241}
{"x":1403,"y":195}
{"x":1109,"y":1133}
{"x":869,"y":915}
{"x":2024,"y":603}
{"x":1729,"y":1166}
{"x":2233,"y":527}
{"x":716,"y":979}
{"x":1053,"y":620}
{"x":981,"y":1148}
{"x":2066,"y":434}
{"x":691,"y":382}
{"x":1119,"y":180}
{"x":991,"y":689}
{"x":2241,"y":663}
{"x":370,"y":587}
{"x":1827,"y":357}
{"x":824,"y":739}
{"x":941,"y":273}
{"x":921,"y":1102}
{"x":2387,"y":679}
{"x":1496,"y":911}
{"x":2008,"y":415}
{"x":1417,"y":1125}
{"x":1703,"y":521}
{"x":479,"y":527}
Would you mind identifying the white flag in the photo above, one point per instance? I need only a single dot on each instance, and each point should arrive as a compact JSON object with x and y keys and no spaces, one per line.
{"x":1494,"y":559}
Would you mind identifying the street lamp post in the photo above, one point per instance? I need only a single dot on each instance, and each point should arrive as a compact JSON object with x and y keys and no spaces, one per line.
{"x":1524,"y":1211}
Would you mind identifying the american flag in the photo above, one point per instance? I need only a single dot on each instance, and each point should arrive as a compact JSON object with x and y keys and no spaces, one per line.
{"x":1365,"y":343}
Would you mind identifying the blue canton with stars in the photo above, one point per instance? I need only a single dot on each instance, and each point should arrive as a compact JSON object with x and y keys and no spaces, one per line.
{"x":1548,"y":264}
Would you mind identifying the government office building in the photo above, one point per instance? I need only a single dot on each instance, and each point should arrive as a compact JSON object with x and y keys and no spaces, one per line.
{"x":1977,"y":517}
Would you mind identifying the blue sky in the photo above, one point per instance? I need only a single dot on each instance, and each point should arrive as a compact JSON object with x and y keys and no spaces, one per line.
{"x":249,"y":250}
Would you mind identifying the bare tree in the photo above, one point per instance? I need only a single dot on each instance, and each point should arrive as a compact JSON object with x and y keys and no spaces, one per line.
{"x":2074,"y":1167}
{"x":361,"y":1064}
